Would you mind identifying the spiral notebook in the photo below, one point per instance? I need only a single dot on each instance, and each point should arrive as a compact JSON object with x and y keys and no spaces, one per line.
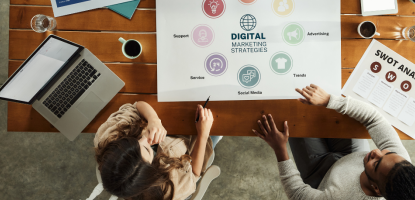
{"x":126,"y":9}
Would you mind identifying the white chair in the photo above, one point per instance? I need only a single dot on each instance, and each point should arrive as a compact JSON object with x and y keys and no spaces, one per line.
{"x":211,"y":173}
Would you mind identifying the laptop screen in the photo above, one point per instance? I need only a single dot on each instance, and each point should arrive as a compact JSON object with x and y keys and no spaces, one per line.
{"x":38,"y":70}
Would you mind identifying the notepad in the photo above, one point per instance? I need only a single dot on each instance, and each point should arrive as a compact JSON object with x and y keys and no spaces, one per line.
{"x":379,"y":7}
{"x":126,"y":9}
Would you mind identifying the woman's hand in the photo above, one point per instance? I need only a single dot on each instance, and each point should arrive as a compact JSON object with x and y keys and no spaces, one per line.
{"x":205,"y":122}
{"x":314,"y":95}
{"x":155,"y":131}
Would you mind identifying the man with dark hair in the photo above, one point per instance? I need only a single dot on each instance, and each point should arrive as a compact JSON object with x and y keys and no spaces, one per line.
{"x":332,"y":168}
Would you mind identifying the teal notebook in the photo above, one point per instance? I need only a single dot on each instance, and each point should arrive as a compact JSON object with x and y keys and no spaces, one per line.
{"x":126,"y":9}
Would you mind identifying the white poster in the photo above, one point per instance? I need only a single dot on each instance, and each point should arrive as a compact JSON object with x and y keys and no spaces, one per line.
{"x":384,"y":79}
{"x":246,"y":49}
{"x":67,"y":7}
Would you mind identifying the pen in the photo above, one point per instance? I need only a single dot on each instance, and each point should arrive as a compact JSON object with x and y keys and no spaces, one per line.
{"x":197,"y":119}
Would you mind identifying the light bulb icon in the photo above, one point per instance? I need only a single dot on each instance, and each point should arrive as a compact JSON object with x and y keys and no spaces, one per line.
{"x":213,"y":5}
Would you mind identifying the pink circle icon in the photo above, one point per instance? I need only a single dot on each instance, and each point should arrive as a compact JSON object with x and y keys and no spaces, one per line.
{"x":203,"y":35}
{"x":247,"y":2}
{"x":213,"y":8}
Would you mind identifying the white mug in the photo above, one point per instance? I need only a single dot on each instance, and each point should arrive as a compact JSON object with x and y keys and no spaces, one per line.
{"x":124,"y":42}
{"x":358,"y":30}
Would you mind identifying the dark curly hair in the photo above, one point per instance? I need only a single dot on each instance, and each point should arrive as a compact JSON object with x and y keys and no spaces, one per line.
{"x":400,"y":183}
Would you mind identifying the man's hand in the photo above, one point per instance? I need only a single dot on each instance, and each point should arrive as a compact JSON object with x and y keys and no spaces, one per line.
{"x":155,"y":132}
{"x":205,"y":122}
{"x":314,"y":95}
{"x":276,"y":139}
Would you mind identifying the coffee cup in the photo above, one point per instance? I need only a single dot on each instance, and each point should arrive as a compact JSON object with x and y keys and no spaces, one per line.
{"x":131,"y":48}
{"x":367,"y":29}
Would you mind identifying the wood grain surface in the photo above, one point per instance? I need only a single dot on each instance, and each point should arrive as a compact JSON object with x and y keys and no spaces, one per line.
{"x":230,"y":119}
{"x":347,"y":6}
{"x":140,"y":75}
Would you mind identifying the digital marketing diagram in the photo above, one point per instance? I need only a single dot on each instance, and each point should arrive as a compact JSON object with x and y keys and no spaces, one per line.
{"x":386,"y":80}
{"x":246,"y":49}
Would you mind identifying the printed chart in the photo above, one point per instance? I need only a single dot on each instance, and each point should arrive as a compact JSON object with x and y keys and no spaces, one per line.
{"x":246,"y":49}
{"x":385,"y":79}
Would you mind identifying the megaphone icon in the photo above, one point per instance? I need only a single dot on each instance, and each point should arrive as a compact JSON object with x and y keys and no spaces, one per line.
{"x":295,"y":34}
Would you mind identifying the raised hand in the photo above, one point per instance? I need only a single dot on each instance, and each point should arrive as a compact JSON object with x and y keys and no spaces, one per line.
{"x":275,"y":138}
{"x":314,"y":95}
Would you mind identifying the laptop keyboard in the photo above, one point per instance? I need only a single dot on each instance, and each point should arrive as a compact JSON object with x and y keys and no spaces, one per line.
{"x":71,"y":88}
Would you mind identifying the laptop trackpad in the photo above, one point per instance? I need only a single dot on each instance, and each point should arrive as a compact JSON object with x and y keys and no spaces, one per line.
{"x":91,"y":105}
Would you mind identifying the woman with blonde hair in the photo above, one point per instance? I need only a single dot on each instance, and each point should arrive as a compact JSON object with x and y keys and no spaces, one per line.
{"x":131,"y":169}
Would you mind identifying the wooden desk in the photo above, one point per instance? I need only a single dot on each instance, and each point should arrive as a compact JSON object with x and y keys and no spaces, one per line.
{"x":99,"y":30}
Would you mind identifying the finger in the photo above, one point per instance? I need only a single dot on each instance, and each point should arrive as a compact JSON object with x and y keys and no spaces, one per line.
{"x":286,"y":129}
{"x":299,"y":91}
{"x":304,"y":101}
{"x":258,"y":134}
{"x":206,"y":113}
{"x":157,"y":137}
{"x":266,"y":125}
{"x":307,"y":91}
{"x":201,"y":111}
{"x":197,"y":111}
{"x":151,"y":135}
{"x":264,"y":132}
{"x":314,"y":86}
{"x":272,"y":123}
{"x":311,"y":89}
{"x":210,"y":114}
{"x":307,"y":96}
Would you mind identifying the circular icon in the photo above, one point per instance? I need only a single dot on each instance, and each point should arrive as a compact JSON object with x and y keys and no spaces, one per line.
{"x":406,"y":86}
{"x":375,"y":67}
{"x":203,"y":35}
{"x":213,"y":8}
{"x":249,"y":76}
{"x":281,"y":63}
{"x":293,"y":34}
{"x":216,"y":64}
{"x":247,"y":2}
{"x":248,"y":22}
{"x":390,"y":76}
{"x":283,"y":8}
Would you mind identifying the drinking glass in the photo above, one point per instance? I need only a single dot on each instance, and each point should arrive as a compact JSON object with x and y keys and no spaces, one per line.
{"x":409,"y":33}
{"x":41,"y":23}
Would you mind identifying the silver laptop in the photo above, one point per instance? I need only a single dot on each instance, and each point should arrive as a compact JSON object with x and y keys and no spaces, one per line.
{"x":65,"y":83}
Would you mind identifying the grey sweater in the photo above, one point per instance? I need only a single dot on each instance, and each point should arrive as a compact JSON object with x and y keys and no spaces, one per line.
{"x":342,"y":181}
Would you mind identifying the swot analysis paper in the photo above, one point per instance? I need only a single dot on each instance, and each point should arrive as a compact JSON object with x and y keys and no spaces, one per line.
{"x":246,"y":49}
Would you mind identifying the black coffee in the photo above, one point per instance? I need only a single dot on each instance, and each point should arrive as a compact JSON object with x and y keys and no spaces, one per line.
{"x":132,"y":48}
{"x":367,"y":29}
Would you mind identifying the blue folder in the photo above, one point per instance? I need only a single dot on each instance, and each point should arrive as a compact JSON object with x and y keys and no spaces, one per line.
{"x":126,"y":9}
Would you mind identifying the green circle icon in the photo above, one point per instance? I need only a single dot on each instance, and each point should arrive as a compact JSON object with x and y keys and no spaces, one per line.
{"x":249,"y":76}
{"x":281,"y":63}
{"x":293,"y":34}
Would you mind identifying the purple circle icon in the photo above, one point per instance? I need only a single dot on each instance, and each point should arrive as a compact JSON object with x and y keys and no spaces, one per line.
{"x":203,"y":35}
{"x":216,"y":64}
